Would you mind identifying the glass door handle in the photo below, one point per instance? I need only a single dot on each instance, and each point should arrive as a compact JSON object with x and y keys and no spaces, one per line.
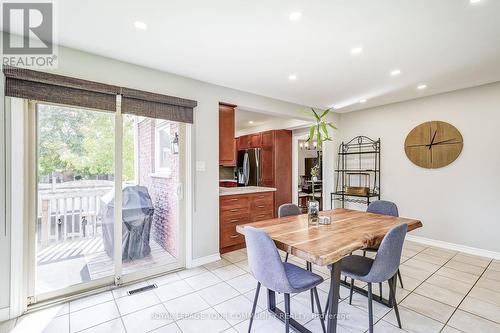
{"x":180,"y":191}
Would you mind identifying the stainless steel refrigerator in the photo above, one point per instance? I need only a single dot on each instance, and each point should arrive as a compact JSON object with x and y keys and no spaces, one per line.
{"x":249,"y":167}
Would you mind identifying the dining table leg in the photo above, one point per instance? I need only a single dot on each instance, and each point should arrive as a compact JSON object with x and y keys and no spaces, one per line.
{"x":333,"y":297}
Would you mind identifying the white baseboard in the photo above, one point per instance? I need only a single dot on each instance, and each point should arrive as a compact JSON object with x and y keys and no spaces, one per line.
{"x":205,"y":260}
{"x":4,"y":314}
{"x":456,"y":247}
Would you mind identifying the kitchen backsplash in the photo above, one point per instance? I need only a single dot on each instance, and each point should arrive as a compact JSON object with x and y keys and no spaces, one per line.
{"x":227,"y":172}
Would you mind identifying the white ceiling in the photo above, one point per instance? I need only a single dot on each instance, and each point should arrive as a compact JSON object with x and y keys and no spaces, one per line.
{"x":250,"y":121}
{"x":243,"y":119}
{"x":253,"y":46}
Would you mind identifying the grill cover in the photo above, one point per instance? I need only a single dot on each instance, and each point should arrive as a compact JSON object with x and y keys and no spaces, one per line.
{"x":137,"y":215}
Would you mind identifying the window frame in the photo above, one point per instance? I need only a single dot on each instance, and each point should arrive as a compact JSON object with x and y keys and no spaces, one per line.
{"x":160,"y":171}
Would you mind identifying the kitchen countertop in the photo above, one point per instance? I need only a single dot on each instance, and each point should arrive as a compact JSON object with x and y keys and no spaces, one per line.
{"x":244,"y":190}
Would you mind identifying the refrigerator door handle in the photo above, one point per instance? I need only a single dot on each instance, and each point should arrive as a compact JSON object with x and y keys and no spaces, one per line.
{"x":246,"y":168}
{"x":259,"y":166}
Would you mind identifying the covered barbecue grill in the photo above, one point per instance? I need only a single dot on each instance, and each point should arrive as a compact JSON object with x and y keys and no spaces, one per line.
{"x":137,"y":215}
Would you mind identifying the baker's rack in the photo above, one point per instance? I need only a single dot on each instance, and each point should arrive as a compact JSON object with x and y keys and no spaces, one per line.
{"x":359,"y":162}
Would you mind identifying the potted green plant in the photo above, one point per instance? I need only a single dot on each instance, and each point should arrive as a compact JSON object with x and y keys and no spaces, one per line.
{"x":319,"y":132}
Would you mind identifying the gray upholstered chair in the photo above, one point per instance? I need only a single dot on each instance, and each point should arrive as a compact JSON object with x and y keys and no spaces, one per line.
{"x":290,"y":209}
{"x":383,"y":268}
{"x":383,"y":207}
{"x":268,"y":269}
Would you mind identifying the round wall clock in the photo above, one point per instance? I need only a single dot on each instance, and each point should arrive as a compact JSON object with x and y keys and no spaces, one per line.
{"x":433,"y":144}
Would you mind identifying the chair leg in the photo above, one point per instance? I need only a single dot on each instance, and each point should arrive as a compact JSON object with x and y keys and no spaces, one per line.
{"x":318,"y":305}
{"x":287,"y":313}
{"x":286,"y":257}
{"x":364,"y":253}
{"x":370,"y":307}
{"x":392,"y":295}
{"x":309,"y":268}
{"x":400,"y":279}
{"x":351,"y":291}
{"x":380,"y":288}
{"x":256,"y":298}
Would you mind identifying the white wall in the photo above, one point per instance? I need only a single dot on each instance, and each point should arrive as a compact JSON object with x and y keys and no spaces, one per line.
{"x":460,"y":202}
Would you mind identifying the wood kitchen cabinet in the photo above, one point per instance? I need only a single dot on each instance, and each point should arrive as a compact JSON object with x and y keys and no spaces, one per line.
{"x":240,"y":209}
{"x":243,"y":142}
{"x":249,"y":141}
{"x":255,"y":140}
{"x":267,"y":158}
{"x":227,"y":142}
{"x":282,"y":167}
{"x":276,"y":161}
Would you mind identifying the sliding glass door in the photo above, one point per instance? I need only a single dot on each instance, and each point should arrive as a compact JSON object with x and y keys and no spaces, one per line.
{"x":152,"y":195}
{"x":81,"y":239}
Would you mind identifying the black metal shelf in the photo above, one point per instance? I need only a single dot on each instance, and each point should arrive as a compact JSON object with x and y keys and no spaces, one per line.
{"x":359,"y":153}
{"x":349,"y":154}
{"x":357,"y":170}
{"x":352,"y":200}
{"x":369,"y":195}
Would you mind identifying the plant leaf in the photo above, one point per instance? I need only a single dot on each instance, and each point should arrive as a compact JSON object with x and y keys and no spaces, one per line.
{"x":332,"y":126}
{"x":319,"y":137}
{"x":315,"y":114}
{"x":323,"y":127}
{"x":311,"y":133}
{"x":325,"y":112}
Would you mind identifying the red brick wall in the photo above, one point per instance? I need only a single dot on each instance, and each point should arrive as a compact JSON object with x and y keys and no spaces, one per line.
{"x":163,"y":190}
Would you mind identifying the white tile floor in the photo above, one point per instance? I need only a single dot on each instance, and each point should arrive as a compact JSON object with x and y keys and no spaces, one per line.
{"x":444,"y":291}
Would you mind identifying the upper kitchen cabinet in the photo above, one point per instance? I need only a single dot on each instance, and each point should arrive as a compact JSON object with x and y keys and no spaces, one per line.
{"x":227,"y":142}
{"x":249,"y":141}
{"x":267,"y":159}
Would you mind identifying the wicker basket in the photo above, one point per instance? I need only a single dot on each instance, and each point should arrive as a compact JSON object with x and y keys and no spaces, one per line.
{"x":357,"y":190}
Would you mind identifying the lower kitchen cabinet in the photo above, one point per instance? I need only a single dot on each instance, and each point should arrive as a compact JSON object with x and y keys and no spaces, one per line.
{"x":241,"y":209}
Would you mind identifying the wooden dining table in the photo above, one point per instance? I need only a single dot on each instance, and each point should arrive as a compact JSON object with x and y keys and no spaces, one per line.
{"x":323,"y":245}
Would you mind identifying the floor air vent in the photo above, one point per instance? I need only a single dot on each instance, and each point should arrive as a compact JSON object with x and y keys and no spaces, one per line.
{"x":142,"y":289}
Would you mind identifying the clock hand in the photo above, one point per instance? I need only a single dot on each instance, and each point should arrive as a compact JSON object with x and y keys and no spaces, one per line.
{"x":413,"y":146}
{"x":433,"y":137}
{"x":444,"y":141}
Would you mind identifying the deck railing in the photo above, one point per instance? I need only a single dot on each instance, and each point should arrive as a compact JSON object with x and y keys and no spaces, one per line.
{"x":69,"y":213}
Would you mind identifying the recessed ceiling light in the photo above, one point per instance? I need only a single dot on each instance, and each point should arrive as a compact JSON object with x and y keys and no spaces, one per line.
{"x":363,"y":100}
{"x":250,"y":122}
{"x":395,"y":72}
{"x":295,"y":16}
{"x":292,"y":77}
{"x":140,"y":25}
{"x":357,"y":50}
{"x":421,"y":86}
{"x":474,"y":1}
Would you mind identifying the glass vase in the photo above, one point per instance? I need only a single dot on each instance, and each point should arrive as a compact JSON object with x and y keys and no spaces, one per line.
{"x":313,"y":212}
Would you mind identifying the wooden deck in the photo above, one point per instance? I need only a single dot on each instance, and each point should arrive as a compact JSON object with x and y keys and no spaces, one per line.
{"x":72,"y":262}
{"x":101,"y":265}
